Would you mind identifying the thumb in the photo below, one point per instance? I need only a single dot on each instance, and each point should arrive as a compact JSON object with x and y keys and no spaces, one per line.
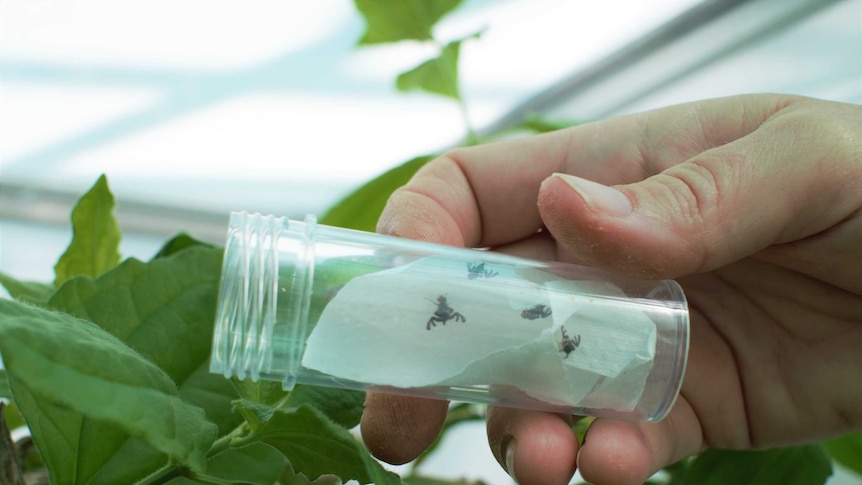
{"x":721,"y":206}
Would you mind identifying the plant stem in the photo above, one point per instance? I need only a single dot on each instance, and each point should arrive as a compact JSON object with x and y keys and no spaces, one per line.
{"x":221,"y":444}
{"x":172,"y":470}
{"x":207,"y":479}
{"x":163,"y":475}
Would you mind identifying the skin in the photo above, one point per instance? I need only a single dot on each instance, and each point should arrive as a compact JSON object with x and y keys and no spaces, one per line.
{"x":753,"y":203}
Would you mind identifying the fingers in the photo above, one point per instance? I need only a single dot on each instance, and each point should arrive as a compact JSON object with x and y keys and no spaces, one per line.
{"x":486,"y":195}
{"x":458,"y":198}
{"x":540,"y":448}
{"x":533,"y":447}
{"x":397,"y":429}
{"x":796,"y":175}
{"x":621,"y":453}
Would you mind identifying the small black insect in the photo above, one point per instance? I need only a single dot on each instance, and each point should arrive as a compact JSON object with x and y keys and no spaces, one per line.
{"x":568,"y":344}
{"x":443,"y":314}
{"x":536,"y":311}
{"x":477,"y":270}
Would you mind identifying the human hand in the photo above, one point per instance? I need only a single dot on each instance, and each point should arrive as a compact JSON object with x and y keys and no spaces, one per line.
{"x":753,"y":203}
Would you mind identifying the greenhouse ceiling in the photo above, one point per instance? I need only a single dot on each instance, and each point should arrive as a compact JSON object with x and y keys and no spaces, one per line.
{"x":197,"y":108}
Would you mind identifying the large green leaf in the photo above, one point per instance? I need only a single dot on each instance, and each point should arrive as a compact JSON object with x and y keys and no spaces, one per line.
{"x":257,"y":464}
{"x":395,"y":20}
{"x":213,"y":393}
{"x":797,"y":465}
{"x":59,"y":433}
{"x":361,"y":209}
{"x":316,"y":446}
{"x":847,"y":451}
{"x":95,"y":236}
{"x":342,"y":406}
{"x":178,"y":243}
{"x":27,"y":291}
{"x":75,"y":370}
{"x":129,"y":459}
{"x":438,"y":75}
{"x":164,"y":310}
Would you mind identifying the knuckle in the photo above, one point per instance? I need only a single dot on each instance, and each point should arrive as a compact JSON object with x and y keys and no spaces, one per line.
{"x":692,"y":192}
{"x":688,"y":199}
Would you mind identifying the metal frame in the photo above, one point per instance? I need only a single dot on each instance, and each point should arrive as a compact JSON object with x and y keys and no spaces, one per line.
{"x":718,"y":29}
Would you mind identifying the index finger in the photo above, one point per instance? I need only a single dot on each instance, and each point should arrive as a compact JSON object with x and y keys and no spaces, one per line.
{"x":478,"y":196}
{"x":485,"y":196}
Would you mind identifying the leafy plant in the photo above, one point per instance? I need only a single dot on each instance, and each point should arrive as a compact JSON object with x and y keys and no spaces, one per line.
{"x":108,"y":364}
{"x":110,"y":370}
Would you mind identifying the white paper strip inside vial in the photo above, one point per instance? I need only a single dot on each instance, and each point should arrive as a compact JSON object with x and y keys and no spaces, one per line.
{"x":435,"y":323}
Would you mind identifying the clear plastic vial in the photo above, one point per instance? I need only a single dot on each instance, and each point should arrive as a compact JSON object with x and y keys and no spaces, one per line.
{"x":302,"y":302}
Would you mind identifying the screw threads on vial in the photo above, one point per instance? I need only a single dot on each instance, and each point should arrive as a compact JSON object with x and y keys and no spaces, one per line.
{"x":247,"y":298}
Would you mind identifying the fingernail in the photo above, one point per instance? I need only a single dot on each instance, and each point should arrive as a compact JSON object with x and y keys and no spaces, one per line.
{"x":510,"y":460}
{"x":598,"y":197}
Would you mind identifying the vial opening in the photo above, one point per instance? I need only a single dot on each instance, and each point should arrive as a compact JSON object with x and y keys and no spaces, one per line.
{"x":247,"y":304}
{"x":676,"y":348}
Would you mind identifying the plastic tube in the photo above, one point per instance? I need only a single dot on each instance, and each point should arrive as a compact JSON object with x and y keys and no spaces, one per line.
{"x":302,"y":302}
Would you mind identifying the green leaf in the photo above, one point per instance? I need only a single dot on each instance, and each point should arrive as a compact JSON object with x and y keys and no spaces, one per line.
{"x":254,"y":413}
{"x":531,"y":124}
{"x":74,"y":368}
{"x":178,"y":243}
{"x":5,"y":390}
{"x":261,"y":391}
{"x":164,"y":310}
{"x":846,"y":450}
{"x":396,"y":20}
{"x":257,"y":464}
{"x":211,"y":392}
{"x":27,"y":291}
{"x":57,"y":429}
{"x":13,"y":417}
{"x":316,"y":446}
{"x":361,"y":209}
{"x":538,"y":124}
{"x":437,"y":76}
{"x":677,"y":471}
{"x":95,"y":236}
{"x":342,"y":406}
{"x":291,"y":477}
{"x":798,"y":465}
{"x":258,"y":399}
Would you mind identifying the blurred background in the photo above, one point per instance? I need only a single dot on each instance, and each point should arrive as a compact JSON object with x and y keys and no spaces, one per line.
{"x":197,"y":108}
